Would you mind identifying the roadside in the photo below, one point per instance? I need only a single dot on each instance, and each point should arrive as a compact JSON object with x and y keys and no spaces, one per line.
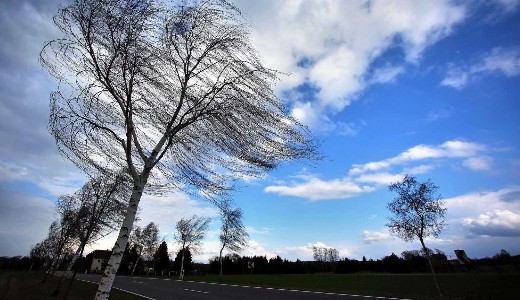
{"x":4,"y":283}
{"x":28,"y":286}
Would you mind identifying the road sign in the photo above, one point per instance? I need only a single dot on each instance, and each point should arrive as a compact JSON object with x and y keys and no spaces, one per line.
{"x":461,"y":255}
{"x":250,"y":264}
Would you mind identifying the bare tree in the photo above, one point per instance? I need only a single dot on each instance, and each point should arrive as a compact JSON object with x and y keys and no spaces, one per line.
{"x":100,"y":208}
{"x":168,"y":91}
{"x":146,"y":240}
{"x":325,"y":256}
{"x":418,"y":212}
{"x":233,"y":234}
{"x":150,"y":240}
{"x":60,"y":238}
{"x":190,"y":233}
{"x":43,"y":251}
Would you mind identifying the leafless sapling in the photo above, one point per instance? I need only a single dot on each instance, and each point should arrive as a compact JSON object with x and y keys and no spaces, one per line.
{"x":417,"y":212}
{"x":189,"y":234}
{"x":233,"y":235}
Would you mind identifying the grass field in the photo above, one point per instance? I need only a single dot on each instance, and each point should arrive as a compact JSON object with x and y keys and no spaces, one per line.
{"x":28,"y":286}
{"x":411,"y":286}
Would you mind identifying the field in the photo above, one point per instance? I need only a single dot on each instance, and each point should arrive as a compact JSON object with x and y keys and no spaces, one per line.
{"x":412,"y":286}
{"x":28,"y":286}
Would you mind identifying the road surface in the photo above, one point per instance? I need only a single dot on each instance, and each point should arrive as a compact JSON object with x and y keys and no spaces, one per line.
{"x":168,"y":289}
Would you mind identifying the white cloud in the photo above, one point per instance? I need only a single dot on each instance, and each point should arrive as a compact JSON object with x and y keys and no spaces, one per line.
{"x":493,"y":214}
{"x":331,"y":45}
{"x":495,"y":223}
{"x":317,"y":189}
{"x":255,"y":248}
{"x":505,"y":61}
{"x":455,"y":78}
{"x":368,"y":177}
{"x":379,"y":178}
{"x":474,"y":204}
{"x":252,"y":230}
{"x":449,"y":149}
{"x":478,"y":163}
{"x":387,"y":74}
{"x":370,"y":237}
{"x":165,"y":211}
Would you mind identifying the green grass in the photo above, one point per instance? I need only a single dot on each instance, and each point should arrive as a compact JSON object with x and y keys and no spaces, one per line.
{"x":412,"y":286}
{"x":28,"y":286}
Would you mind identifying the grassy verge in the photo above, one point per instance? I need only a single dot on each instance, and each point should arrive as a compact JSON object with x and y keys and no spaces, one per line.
{"x":28,"y":286}
{"x":412,"y":286}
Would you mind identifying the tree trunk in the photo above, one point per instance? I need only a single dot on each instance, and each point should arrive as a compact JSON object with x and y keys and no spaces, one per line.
{"x":181,"y":275}
{"x":119,"y":247}
{"x":75,"y":271}
{"x":220,"y":257}
{"x":54,"y":264}
{"x":136,"y":262}
{"x":431,"y":267}
{"x":68,"y":271}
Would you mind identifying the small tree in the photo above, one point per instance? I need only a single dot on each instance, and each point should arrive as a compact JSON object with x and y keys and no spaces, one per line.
{"x":418,"y":212}
{"x":183,"y":257}
{"x":146,"y":240}
{"x":161,"y":257}
{"x":60,"y":239}
{"x":190,"y":233}
{"x":233,"y":234}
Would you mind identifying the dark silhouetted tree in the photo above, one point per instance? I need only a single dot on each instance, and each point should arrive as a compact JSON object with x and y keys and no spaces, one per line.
{"x":170,"y":91}
{"x":189,"y":234}
{"x":233,"y":235}
{"x":161,"y":258}
{"x":183,"y":260}
{"x":146,"y":240}
{"x":417,"y":212}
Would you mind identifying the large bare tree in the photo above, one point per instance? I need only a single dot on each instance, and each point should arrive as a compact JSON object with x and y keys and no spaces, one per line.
{"x":189,"y":235}
{"x":173,"y":92}
{"x":233,"y":235}
{"x":418,"y":212}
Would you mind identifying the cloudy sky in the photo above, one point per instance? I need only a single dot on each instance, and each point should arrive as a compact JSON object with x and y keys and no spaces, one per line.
{"x":429,"y":88}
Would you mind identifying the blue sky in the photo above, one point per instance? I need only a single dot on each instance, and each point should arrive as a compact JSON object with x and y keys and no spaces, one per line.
{"x":429,"y":88}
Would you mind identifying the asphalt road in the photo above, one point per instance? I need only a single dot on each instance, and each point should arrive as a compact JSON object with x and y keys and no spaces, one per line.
{"x":168,"y":289}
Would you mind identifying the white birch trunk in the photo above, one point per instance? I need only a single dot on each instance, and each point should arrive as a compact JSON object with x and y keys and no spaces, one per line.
{"x":181,"y":275}
{"x":136,"y":262}
{"x":220,"y":258}
{"x":119,"y":247}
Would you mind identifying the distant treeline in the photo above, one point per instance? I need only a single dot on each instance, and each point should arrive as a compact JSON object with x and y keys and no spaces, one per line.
{"x":408,"y":262}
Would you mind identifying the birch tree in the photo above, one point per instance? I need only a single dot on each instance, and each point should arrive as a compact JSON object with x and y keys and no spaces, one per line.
{"x":146,"y":240}
{"x":173,"y":92}
{"x":100,"y":208}
{"x":418,"y":212}
{"x":60,"y":238}
{"x":189,"y":235}
{"x":233,"y":235}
